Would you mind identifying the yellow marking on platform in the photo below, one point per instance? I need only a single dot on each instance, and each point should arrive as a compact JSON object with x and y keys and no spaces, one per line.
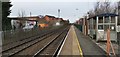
{"x":80,"y":50}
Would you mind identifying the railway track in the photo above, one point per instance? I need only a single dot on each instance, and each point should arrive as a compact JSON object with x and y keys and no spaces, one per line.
{"x":52,"y":48}
{"x":19,"y":49}
{"x":19,"y":42}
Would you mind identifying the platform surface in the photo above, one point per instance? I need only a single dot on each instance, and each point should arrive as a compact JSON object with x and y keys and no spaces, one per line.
{"x":76,"y":43}
{"x":89,"y":48}
{"x":71,"y":45}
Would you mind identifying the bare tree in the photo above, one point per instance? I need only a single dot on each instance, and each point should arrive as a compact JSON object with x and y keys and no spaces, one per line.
{"x":91,"y":13}
{"x":21,"y":13}
{"x":107,"y":6}
{"x":97,"y":8}
{"x":102,"y":7}
{"x":114,"y":8}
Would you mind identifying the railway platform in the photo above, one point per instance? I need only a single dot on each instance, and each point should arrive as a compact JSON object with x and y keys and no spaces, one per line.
{"x":71,"y":45}
{"x":89,"y":48}
{"x":78,"y":45}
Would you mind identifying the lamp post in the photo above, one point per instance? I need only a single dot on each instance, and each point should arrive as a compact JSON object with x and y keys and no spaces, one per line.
{"x":0,"y":27}
{"x":58,"y":13}
{"x":0,"y":20}
{"x":119,"y":13}
{"x":0,"y":15}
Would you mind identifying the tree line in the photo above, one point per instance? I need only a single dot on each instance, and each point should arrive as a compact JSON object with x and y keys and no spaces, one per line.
{"x":104,"y":7}
{"x":6,"y":25}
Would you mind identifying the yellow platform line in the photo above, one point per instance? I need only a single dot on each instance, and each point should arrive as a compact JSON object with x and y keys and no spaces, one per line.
{"x":80,"y":50}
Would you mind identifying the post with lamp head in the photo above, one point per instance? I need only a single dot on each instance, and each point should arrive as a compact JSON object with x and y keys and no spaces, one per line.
{"x":58,"y":13}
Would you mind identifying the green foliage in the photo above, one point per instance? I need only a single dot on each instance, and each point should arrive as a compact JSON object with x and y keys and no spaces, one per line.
{"x":6,"y":23}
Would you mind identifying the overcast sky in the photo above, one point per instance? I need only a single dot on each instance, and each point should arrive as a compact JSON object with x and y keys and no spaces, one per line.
{"x":70,"y":9}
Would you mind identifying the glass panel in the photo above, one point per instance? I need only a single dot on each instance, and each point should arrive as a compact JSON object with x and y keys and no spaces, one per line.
{"x":106,"y":27}
{"x":113,"y":20}
{"x":94,"y":27}
{"x":94,"y":24}
{"x":100,"y":26}
{"x":106,"y":20}
{"x":100,"y":21}
{"x":112,"y":27}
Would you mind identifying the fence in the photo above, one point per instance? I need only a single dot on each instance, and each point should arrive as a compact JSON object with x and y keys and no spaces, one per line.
{"x":79,"y":27}
{"x":15,"y":35}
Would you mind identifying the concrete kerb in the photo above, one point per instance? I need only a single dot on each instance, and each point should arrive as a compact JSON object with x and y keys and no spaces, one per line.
{"x":63,"y":44}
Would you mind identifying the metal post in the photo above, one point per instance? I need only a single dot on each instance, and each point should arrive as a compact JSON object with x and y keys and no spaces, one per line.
{"x":30,"y":14}
{"x":0,"y":16}
{"x":109,"y":21}
{"x":104,"y":26}
{"x":119,"y":13}
{"x":116,"y":23}
{"x":83,"y":26}
{"x":58,"y":13}
{"x":0,"y":28}
{"x":97,"y":28}
{"x":108,"y":39}
{"x":118,"y":34}
{"x":108,"y":42}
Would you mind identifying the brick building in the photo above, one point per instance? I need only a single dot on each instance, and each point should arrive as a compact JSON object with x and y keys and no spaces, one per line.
{"x":53,"y":21}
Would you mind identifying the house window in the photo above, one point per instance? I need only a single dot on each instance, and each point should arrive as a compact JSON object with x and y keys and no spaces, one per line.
{"x":100,"y":26}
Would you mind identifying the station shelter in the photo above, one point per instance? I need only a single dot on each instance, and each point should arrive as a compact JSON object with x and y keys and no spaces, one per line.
{"x":98,"y":25}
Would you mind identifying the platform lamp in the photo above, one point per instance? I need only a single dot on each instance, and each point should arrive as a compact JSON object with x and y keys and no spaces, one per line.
{"x":58,"y":13}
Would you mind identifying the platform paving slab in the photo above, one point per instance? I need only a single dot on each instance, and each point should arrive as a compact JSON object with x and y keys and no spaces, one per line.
{"x":71,"y":45}
{"x":89,"y":48}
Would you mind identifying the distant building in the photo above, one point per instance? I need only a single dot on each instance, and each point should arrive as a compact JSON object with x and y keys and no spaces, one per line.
{"x":80,"y":21}
{"x":53,"y":21}
{"x":41,"y":21}
{"x":48,"y":17}
{"x":83,"y":25}
{"x":20,"y":22}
